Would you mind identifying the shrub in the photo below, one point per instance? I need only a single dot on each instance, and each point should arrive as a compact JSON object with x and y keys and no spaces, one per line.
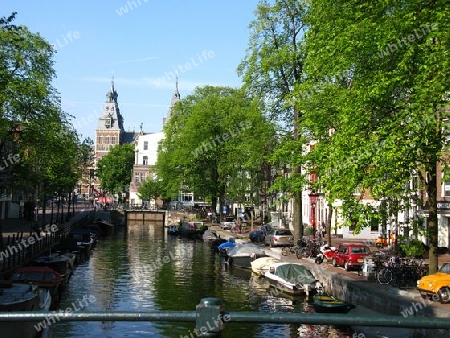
{"x":414,"y":248}
{"x":308,"y":230}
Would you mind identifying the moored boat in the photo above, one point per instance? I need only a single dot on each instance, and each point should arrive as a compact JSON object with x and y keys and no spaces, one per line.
{"x":42,"y":276}
{"x":325,"y":303}
{"x":70,"y":245}
{"x":172,"y":229}
{"x":292,"y":278}
{"x":209,"y":236}
{"x":84,"y":237}
{"x":192,"y":229}
{"x":217,"y":242}
{"x":242,"y":255}
{"x":226,"y":246}
{"x":262,"y":264}
{"x":16,"y":297}
{"x":58,"y":262}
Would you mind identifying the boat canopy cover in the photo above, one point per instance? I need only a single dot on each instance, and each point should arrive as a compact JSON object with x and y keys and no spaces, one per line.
{"x":294,"y":273}
{"x":263,"y":263}
{"x":246,"y":249}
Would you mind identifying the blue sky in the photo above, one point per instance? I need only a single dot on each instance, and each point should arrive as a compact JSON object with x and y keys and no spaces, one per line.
{"x":143,"y":44}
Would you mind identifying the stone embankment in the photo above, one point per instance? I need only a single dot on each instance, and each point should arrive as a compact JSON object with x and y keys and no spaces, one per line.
{"x":360,"y":290}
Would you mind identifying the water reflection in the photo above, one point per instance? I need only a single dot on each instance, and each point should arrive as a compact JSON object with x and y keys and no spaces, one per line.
{"x":140,"y":270}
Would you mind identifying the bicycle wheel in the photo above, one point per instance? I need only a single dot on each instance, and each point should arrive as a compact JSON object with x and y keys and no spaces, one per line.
{"x":384,"y":276}
{"x":303,"y":252}
{"x":298,"y":253}
{"x":286,"y":251}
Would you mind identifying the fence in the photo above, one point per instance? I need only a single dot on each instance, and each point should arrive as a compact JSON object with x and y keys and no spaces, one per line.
{"x":19,"y":249}
{"x":210,"y":318}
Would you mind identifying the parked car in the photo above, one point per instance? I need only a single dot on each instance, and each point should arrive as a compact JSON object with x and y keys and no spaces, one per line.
{"x":259,"y":235}
{"x":437,"y":285}
{"x":228,"y":223}
{"x":351,"y":255}
{"x":279,"y":237}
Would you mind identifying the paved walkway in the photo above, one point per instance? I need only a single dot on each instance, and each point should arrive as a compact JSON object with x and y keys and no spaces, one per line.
{"x":14,"y":226}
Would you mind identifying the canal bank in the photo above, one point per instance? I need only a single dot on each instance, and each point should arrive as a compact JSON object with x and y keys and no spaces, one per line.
{"x":21,"y":242}
{"x":360,"y":290}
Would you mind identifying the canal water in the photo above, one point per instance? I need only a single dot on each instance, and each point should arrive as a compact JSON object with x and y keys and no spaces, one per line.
{"x":140,"y":270}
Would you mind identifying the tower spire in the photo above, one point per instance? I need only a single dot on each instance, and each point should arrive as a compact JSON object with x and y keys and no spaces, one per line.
{"x":112,"y":82}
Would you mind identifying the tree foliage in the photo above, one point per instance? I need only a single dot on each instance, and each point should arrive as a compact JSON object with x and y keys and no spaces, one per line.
{"x":213,"y":136}
{"x":115,"y":168}
{"x":32,"y":124}
{"x":150,"y":189}
{"x":271,"y":69}
{"x":376,"y":100}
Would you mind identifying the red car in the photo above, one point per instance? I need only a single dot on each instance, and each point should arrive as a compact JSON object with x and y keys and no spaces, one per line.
{"x":351,"y":255}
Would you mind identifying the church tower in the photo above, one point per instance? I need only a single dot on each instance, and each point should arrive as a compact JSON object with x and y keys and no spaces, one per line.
{"x":110,"y":125}
{"x":175,"y":99}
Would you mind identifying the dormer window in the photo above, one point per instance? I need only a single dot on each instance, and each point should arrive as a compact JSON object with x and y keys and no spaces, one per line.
{"x":108,"y":121}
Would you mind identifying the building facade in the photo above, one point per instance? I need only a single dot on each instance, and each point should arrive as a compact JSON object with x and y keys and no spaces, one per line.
{"x":109,"y":133}
{"x":146,"y":154}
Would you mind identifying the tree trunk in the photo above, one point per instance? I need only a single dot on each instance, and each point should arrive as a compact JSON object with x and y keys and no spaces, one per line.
{"x":328,"y":225}
{"x":432,"y":222}
{"x":221,"y":201}
{"x":297,"y":217}
{"x":68,"y":204}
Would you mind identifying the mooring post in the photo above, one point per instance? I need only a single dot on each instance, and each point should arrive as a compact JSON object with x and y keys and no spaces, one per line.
{"x":209,"y":321}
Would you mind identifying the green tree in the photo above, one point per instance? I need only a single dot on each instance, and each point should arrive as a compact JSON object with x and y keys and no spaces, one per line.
{"x":213,"y":135}
{"x":115,"y":168}
{"x":271,"y":69}
{"x":150,"y":189}
{"x":376,"y":100}
{"x":31,"y":121}
{"x":26,"y":74}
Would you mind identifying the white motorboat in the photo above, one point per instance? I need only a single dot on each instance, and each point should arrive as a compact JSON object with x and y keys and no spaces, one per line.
{"x":292,"y":278}
{"x":262,"y":264}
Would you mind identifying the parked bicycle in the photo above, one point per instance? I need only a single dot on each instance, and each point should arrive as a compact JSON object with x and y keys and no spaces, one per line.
{"x":296,"y":250}
{"x":401,"y":272}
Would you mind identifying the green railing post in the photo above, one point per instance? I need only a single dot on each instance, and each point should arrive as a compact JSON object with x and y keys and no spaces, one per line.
{"x":209,"y":322}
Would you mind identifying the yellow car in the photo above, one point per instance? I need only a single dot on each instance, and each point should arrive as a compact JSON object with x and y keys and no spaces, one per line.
{"x":436,"y":286}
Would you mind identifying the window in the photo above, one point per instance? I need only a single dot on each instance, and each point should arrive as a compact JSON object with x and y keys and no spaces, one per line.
{"x":145,"y":160}
{"x":136,"y":177}
{"x":145,"y":145}
{"x":446,"y":189}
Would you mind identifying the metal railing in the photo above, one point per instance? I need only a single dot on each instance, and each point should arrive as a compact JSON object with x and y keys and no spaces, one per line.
{"x":210,"y":310}
{"x":19,"y":249}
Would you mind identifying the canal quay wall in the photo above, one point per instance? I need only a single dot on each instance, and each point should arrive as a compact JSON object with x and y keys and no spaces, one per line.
{"x":362,"y":290}
{"x":22,"y":242}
